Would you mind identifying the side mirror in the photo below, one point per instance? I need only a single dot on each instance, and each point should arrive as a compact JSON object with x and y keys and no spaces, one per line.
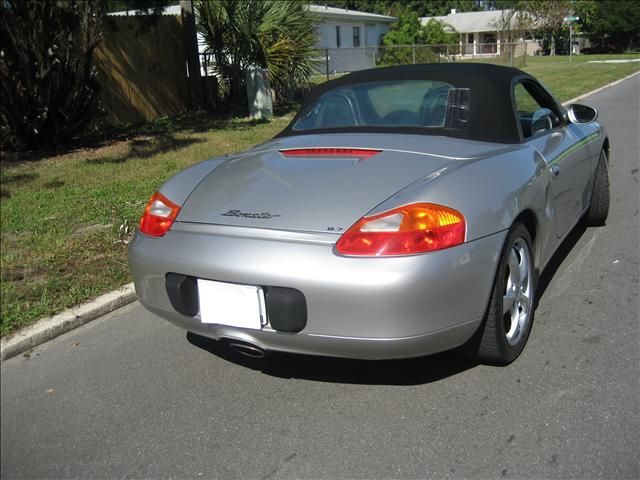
{"x":541,"y":121}
{"x":581,"y":113}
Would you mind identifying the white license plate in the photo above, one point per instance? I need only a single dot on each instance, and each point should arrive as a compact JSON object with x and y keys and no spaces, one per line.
{"x":231,"y":304}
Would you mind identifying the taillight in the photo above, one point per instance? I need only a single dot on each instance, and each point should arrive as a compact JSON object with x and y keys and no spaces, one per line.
{"x":158,"y":215}
{"x":361,"y":153}
{"x":416,"y":228}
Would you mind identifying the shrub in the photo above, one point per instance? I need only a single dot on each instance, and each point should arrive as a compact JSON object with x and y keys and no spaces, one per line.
{"x":48,"y":89}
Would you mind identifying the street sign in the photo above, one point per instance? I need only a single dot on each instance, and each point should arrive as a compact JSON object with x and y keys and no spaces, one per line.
{"x":570,"y":21}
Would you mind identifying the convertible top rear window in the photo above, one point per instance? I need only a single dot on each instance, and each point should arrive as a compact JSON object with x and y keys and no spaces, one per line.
{"x":410,"y":103}
{"x":466,"y":101}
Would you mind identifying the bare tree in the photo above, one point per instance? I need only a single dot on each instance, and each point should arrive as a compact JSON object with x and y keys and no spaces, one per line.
{"x":513,"y":24}
{"x":548,"y":16}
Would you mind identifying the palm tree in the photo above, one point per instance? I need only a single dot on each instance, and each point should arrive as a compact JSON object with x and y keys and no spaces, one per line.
{"x":274,"y":34}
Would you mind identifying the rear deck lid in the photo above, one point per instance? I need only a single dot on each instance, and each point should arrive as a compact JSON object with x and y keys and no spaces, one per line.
{"x":265,"y":188}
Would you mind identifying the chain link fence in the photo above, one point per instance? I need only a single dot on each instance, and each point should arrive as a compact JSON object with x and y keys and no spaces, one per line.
{"x":333,"y":61}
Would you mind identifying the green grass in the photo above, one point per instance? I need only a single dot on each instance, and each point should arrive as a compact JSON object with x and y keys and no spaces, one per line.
{"x":569,"y":80}
{"x":579,"y":58}
{"x":47,"y":264}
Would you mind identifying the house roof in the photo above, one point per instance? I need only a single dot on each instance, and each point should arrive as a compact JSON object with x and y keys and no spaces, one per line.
{"x":168,"y":10}
{"x":344,"y":13}
{"x":320,"y":10}
{"x":469,"y":22}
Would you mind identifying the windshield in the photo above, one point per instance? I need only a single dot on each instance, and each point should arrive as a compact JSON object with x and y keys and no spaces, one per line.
{"x":405,"y":103}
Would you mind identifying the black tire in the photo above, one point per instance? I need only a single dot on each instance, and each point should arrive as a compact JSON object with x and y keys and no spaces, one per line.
{"x":490,"y":344}
{"x":599,"y":209}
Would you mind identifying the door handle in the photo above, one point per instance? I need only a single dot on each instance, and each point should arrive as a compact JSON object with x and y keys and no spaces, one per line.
{"x":555,"y":169}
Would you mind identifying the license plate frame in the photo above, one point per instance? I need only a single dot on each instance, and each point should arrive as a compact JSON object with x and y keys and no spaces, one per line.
{"x":231,"y":304}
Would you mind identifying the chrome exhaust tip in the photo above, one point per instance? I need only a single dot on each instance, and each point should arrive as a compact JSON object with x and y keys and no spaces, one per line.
{"x":247,"y":349}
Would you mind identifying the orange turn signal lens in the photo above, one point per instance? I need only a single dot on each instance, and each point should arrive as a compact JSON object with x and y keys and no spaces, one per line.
{"x":158,"y":216}
{"x":407,"y":230}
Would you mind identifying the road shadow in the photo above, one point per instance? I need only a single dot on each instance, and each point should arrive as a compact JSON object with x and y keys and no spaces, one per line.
{"x":414,"y":371}
{"x":556,"y":260}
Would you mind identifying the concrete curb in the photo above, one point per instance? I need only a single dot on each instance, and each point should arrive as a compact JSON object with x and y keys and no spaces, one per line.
{"x":51,"y":327}
{"x":604,"y":87}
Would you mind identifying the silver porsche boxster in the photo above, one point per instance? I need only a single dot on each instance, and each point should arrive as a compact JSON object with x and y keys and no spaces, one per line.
{"x":404,"y":211}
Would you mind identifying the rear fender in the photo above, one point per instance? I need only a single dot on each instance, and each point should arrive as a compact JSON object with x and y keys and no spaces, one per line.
{"x":490,"y":192}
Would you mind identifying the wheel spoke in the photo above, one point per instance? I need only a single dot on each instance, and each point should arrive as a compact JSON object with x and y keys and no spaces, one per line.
{"x":515,"y":329}
{"x":514,"y":268}
{"x":524,"y":302}
{"x":508,"y":303}
{"x":523,"y":270}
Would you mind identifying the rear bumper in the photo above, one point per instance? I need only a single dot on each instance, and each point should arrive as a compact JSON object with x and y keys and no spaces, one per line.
{"x":328,"y":345}
{"x":369,"y":308}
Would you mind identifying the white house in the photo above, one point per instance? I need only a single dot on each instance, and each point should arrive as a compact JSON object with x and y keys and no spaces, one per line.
{"x":480,"y":31}
{"x":346,"y":38}
{"x":343,"y":28}
{"x":349,"y":37}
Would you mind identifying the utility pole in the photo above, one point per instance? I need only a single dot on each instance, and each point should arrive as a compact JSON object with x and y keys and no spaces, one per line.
{"x":192,"y":54}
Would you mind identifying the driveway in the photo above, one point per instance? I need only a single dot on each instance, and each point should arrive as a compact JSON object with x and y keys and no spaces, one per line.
{"x":130,"y":395}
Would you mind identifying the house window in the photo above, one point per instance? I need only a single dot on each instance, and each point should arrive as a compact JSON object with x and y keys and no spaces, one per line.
{"x":356,"y":36}
{"x":338,"y":36}
{"x":489,"y":38}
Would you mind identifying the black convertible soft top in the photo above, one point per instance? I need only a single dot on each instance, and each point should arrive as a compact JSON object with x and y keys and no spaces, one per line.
{"x":492,"y":116}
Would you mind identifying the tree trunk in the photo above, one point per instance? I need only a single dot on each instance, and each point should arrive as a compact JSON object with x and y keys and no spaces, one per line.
{"x":192,"y":54}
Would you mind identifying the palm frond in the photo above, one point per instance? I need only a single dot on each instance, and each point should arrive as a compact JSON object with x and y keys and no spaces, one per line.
{"x":274,"y":34}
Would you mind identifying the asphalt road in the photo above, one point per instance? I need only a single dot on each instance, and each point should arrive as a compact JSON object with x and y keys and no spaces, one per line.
{"x":130,"y":395}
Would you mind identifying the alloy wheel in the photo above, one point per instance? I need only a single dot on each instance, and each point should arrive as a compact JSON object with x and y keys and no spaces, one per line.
{"x":517,"y":297}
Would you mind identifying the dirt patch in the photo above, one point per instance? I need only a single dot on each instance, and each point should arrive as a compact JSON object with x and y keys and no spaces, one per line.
{"x":10,"y":238}
{"x":86,"y":230}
